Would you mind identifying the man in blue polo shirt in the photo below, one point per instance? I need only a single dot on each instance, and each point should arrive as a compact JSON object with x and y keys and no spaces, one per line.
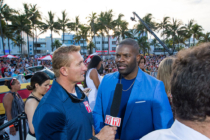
{"x":64,"y":112}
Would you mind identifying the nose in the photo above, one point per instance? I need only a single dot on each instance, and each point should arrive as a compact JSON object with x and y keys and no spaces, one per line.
{"x":84,"y":67}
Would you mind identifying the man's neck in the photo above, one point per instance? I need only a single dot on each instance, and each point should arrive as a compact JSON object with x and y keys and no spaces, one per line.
{"x":201,"y":127}
{"x":132,"y":75}
{"x":67,"y":85}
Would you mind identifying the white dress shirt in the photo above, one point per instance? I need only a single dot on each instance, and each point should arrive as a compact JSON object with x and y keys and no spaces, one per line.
{"x":178,"y":131}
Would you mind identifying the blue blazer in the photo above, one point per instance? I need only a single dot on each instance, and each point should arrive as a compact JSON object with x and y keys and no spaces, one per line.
{"x":148,"y":108}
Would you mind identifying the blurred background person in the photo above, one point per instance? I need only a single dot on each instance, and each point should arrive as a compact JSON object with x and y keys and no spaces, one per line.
{"x":164,"y":74}
{"x":13,"y":105}
{"x":39,"y":86}
{"x":93,"y":79}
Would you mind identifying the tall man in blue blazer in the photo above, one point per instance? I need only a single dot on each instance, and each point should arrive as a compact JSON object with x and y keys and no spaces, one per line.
{"x":144,"y":104}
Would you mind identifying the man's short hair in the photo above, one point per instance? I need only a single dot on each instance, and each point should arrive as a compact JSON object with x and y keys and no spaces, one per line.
{"x":190,"y":83}
{"x":131,"y":42}
{"x":61,"y":58}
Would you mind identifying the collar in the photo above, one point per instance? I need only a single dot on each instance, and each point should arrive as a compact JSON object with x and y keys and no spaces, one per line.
{"x":186,"y":133}
{"x":138,"y":79}
{"x":62,"y":93}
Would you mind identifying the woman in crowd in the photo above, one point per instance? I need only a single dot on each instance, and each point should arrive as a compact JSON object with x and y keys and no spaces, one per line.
{"x":93,"y":79}
{"x":164,"y":74}
{"x":39,"y":86}
{"x":141,"y":64}
{"x":6,"y":72}
{"x":13,"y":105}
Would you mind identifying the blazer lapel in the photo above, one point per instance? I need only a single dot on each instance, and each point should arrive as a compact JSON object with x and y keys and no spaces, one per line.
{"x":135,"y":93}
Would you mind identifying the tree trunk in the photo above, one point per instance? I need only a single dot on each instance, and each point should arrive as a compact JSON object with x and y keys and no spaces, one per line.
{"x":21,"y":44}
{"x":194,"y":41}
{"x":33,"y":42}
{"x":2,"y":37}
{"x":102,"y":45}
{"x":83,"y":46}
{"x":8,"y":45}
{"x":51,"y":42}
{"x":36,"y":40}
{"x":63,"y":35}
{"x":189,"y":42}
{"x":108,"y":42}
{"x":28,"y":45}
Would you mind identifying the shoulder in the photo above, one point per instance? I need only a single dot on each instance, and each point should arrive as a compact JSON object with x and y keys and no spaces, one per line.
{"x":164,"y":134}
{"x":31,"y":103}
{"x":111,"y":75}
{"x":8,"y":96}
{"x":93,"y":71}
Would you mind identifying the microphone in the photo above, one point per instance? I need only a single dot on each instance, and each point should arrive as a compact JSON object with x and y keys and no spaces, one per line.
{"x":112,"y":119}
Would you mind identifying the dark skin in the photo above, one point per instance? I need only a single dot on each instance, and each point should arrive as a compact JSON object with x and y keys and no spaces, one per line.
{"x":127,"y":58}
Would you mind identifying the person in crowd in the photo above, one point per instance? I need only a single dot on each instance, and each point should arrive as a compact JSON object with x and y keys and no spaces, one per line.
{"x":6,"y":72}
{"x":10,"y":73}
{"x":15,"y":73}
{"x":13,"y":105}
{"x":191,"y":99}
{"x":164,"y":74}
{"x":93,"y":79}
{"x":64,"y":112}
{"x":144,"y":105}
{"x":39,"y":85}
{"x":3,"y":69}
{"x":142,"y":63}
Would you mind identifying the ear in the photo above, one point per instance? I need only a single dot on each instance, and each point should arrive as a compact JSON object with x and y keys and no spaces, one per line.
{"x":36,"y":85}
{"x":64,"y":71}
{"x":138,"y":56}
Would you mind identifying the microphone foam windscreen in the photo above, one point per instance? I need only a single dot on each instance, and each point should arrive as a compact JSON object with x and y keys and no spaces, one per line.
{"x":115,"y":107}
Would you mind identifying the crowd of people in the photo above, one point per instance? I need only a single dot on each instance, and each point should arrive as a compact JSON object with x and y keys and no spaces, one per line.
{"x":168,"y":107}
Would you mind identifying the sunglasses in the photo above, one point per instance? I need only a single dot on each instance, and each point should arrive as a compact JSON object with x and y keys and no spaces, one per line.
{"x":12,"y":81}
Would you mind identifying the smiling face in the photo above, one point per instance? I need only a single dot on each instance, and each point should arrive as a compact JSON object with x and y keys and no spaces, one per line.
{"x":126,"y":60}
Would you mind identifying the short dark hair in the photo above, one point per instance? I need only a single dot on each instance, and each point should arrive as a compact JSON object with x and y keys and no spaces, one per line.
{"x":190,"y":83}
{"x":39,"y":78}
{"x":131,"y":42}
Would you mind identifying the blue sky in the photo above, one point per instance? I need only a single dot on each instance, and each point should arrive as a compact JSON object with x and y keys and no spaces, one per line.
{"x":179,"y":9}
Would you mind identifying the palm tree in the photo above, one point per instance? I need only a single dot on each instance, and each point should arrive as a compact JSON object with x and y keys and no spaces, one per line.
{"x":204,"y":38}
{"x":122,"y":30}
{"x":155,"y":43}
{"x":92,"y":20}
{"x":188,"y":30}
{"x":64,"y":23}
{"x":90,"y":46}
{"x":196,"y":31}
{"x":28,"y":31}
{"x":143,"y":44}
{"x":109,"y":24}
{"x":56,"y":44}
{"x":36,"y":20}
{"x":19,"y":24}
{"x":51,"y":25}
{"x":140,"y":28}
{"x":18,"y":42}
{"x":173,"y":31}
{"x":163,"y":25}
{"x":101,"y":27}
{"x":2,"y":6}
{"x":82,"y":34}
{"x":7,"y":14}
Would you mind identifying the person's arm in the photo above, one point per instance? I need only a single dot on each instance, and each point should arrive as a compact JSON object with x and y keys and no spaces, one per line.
{"x":30,"y":108}
{"x":162,"y":113}
{"x":49,"y":123}
{"x":98,"y":111}
{"x":94,"y":77}
{"x":7,"y":101}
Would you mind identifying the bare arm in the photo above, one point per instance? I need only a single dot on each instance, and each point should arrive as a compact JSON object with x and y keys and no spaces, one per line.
{"x":94,"y":77}
{"x":7,"y":101}
{"x":30,"y":108}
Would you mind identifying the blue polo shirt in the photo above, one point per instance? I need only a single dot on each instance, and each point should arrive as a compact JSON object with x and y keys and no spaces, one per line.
{"x":59,"y":117}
